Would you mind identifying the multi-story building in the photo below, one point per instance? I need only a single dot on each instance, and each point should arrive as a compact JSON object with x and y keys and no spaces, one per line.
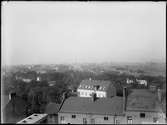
{"x":79,"y":110}
{"x":139,"y":107}
{"x":141,"y":82}
{"x":101,"y":88}
{"x":144,"y":107}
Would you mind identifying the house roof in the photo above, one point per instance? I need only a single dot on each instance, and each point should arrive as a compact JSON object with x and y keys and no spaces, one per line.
{"x":52,"y":108}
{"x":18,"y":112}
{"x":89,"y":84}
{"x":105,"y":106}
{"x":143,"y":100}
{"x":4,"y":100}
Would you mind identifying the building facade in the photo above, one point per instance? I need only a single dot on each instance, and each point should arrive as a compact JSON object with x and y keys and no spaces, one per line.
{"x":78,"y":110}
{"x":102,"y":89}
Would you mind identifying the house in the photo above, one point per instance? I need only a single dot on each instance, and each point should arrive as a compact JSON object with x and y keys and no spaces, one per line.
{"x":141,"y":82}
{"x":153,"y":87}
{"x":143,"y":106}
{"x":14,"y":110}
{"x":34,"y":119}
{"x":100,"y":87}
{"x":129,"y":81}
{"x":79,"y":110}
{"x":52,"y":111}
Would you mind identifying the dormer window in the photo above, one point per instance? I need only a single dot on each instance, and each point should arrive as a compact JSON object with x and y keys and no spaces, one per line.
{"x":100,"y":88}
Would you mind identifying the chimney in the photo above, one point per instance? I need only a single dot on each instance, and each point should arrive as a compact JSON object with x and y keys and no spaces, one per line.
{"x":12,"y":95}
{"x":159,"y":94}
{"x":124,"y":98}
{"x":94,"y":97}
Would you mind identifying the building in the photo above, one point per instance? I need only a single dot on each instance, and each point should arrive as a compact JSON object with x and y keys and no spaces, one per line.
{"x":144,"y":107}
{"x":52,"y":111}
{"x":129,"y":81}
{"x":34,"y":119}
{"x":101,"y":88}
{"x":140,"y":106}
{"x":79,"y":110}
{"x":141,"y":82}
{"x":14,"y":110}
{"x":153,"y":87}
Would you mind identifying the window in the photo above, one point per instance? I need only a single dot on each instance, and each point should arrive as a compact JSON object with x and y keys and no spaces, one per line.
{"x":73,"y":116}
{"x":105,"y":118}
{"x":92,"y":121}
{"x":117,"y":121}
{"x":142,"y":115}
{"x":129,"y":119}
{"x":84,"y":121}
{"x":61,"y":118}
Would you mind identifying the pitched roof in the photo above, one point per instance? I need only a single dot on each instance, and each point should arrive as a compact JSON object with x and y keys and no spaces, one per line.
{"x":107,"y":106}
{"x":4,"y":100}
{"x":89,"y":84}
{"x":18,"y":112}
{"x":52,"y":108}
{"x":143,"y":100}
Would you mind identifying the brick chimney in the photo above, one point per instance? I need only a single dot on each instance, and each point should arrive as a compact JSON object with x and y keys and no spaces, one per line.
{"x":94,"y":97}
{"x":124,"y":98}
{"x":159,"y":94}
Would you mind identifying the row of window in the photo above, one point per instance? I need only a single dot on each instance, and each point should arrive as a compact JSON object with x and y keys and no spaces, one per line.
{"x":92,"y":87}
{"x":89,"y":94}
{"x":74,"y":116}
{"x":129,"y":119}
{"x":142,"y":115}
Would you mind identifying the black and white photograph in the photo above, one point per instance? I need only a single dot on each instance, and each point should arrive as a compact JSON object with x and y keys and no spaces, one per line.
{"x":83,"y":62}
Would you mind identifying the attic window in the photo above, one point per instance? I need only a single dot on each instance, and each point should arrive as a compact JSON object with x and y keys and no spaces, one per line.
{"x":29,"y":118}
{"x":105,"y":118}
{"x":100,"y":88}
{"x":142,"y":115}
{"x":35,"y":115}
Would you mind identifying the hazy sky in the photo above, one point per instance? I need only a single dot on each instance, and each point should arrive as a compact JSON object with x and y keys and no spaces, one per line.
{"x":58,"y":32}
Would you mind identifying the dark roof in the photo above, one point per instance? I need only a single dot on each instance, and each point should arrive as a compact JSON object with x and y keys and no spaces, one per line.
{"x":89,"y":84}
{"x":19,"y":106}
{"x":143,"y":100}
{"x":4,"y":101}
{"x":108,"y":106}
{"x":52,"y":108}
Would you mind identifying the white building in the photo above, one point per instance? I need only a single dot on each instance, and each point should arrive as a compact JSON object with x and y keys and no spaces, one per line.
{"x":141,"y":82}
{"x":101,"y":88}
{"x":129,"y":81}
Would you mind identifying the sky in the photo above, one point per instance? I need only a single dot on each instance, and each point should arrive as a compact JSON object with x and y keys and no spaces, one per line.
{"x":71,"y":32}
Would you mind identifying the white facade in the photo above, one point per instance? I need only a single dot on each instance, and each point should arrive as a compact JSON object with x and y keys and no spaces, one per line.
{"x":142,"y":82}
{"x":128,"y":81}
{"x":88,"y":93}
